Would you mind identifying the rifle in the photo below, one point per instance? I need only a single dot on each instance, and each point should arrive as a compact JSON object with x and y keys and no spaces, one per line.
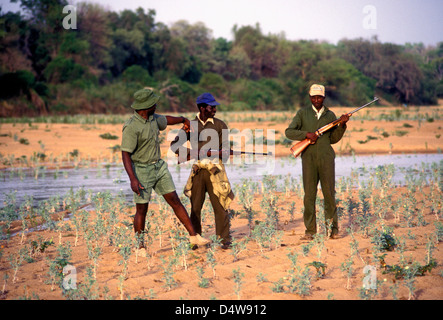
{"x":298,"y":148}
{"x":211,"y":152}
{"x":234,"y":152}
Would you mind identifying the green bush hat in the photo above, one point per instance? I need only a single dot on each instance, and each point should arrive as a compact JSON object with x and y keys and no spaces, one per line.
{"x":144,"y":99}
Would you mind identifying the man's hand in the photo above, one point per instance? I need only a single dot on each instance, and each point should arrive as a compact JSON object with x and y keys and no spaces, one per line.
{"x":186,"y":125}
{"x":343,"y":119}
{"x":136,"y":186}
{"x":312,"y":136}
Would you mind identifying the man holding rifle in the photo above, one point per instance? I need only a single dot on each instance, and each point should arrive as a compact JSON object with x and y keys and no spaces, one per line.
{"x":318,"y":160}
{"x":210,"y":146}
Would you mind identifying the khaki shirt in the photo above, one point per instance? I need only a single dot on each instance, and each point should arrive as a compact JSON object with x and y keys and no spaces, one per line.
{"x":141,"y":137}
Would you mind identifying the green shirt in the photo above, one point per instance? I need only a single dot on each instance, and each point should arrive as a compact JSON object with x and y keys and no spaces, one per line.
{"x":306,"y":121}
{"x":141,"y":137}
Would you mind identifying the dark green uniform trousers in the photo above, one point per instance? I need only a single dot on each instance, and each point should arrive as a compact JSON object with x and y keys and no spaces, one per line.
{"x":201,"y":184}
{"x":318,"y":163}
{"x":319,"y":168}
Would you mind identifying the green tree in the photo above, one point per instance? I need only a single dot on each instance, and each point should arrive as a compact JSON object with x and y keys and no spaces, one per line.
{"x":138,"y":75}
{"x":396,"y":71}
{"x":133,"y":36}
{"x":46,"y":31}
{"x":13,"y":51}
{"x":267,"y":54}
{"x":247,"y":38}
{"x":61,"y":70}
{"x":238,"y":64}
{"x":96,"y":67}
{"x":220,"y":55}
{"x":214,"y":83}
{"x":344,"y":83}
{"x":94,"y":28}
{"x":13,"y":84}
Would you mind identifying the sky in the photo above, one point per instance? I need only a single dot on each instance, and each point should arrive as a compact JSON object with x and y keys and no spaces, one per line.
{"x":395,"y":21}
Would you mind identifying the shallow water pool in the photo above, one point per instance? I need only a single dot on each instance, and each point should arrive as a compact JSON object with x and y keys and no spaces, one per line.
{"x":48,"y":183}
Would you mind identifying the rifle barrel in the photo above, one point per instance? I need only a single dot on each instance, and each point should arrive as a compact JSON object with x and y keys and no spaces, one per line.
{"x":363,"y":106}
{"x":235,"y":152}
{"x":255,"y":153}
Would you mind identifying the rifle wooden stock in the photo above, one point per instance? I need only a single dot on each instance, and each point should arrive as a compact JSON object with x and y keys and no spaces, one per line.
{"x":299,"y":147}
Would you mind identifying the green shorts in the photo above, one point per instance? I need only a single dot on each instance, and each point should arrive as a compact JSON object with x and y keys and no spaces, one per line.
{"x":153,"y":176}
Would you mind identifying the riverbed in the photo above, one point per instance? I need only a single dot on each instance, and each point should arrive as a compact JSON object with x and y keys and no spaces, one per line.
{"x":45,"y":183}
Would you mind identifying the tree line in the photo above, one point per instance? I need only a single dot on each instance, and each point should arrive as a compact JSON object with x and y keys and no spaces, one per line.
{"x":96,"y":68}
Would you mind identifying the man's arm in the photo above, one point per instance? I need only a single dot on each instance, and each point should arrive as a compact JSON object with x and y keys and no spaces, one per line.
{"x":127,"y":163}
{"x":294,"y":131}
{"x":339,"y":131}
{"x":177,"y":145}
{"x":177,"y":120}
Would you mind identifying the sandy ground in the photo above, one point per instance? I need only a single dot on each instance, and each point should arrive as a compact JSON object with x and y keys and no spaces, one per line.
{"x":261,"y":270}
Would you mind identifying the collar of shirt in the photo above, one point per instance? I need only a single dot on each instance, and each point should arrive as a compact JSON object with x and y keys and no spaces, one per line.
{"x":140,"y":118}
{"x":201,"y":121}
{"x":318,"y":113}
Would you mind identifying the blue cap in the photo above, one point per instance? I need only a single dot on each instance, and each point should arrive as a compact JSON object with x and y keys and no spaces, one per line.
{"x":207,"y":98}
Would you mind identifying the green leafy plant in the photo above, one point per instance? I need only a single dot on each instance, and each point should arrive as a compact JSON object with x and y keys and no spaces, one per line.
{"x":320,"y":267}
{"x":237,"y":246}
{"x":210,"y":254}
{"x":202,"y":281}
{"x":402,"y":271}
{"x":56,"y":265}
{"x":108,"y":136}
{"x":23,"y":141}
{"x":246,"y":198}
{"x":40,"y":245}
{"x":384,"y":239}
{"x":168,"y":273}
{"x":238,"y":276}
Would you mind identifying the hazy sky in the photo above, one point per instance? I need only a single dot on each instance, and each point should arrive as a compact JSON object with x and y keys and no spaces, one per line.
{"x":396,"y":21}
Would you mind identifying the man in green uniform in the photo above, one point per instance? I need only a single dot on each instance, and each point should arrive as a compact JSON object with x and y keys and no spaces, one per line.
{"x":142,"y":161}
{"x":318,"y":159}
{"x":208,"y":173}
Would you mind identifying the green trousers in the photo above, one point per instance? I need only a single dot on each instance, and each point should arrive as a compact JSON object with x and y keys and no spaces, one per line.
{"x":202,"y":184}
{"x":321,"y":169}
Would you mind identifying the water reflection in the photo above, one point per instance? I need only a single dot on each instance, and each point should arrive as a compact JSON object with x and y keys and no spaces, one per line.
{"x":44,"y":183}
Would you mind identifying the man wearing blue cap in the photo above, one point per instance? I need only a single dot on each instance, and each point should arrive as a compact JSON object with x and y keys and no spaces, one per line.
{"x":146,"y":170}
{"x":208,"y":173}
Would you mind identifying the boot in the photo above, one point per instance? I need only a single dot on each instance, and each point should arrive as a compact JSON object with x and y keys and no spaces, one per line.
{"x":198,"y":240}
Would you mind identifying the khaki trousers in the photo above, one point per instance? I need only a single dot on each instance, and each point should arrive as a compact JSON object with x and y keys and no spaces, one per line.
{"x":200,"y":185}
